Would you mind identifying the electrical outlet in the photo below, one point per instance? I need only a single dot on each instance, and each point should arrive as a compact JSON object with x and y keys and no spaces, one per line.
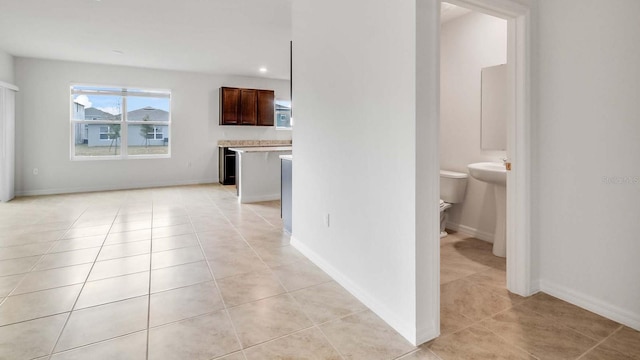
{"x":35,"y":171}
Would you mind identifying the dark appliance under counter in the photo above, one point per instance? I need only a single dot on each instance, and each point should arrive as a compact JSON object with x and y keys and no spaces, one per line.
{"x":226,"y":166}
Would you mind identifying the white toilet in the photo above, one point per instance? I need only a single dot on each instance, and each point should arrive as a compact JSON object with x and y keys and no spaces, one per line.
{"x":452,"y":188}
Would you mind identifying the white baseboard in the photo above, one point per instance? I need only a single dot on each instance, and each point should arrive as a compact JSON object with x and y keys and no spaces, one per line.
{"x":481,"y":235}
{"x":592,"y":304}
{"x":128,"y":186}
{"x":535,"y":287}
{"x":427,"y":334}
{"x":252,"y":199}
{"x":406,"y":330}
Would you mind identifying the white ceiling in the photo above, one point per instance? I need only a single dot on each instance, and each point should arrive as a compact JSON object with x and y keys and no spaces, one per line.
{"x":449,"y":12}
{"x":212,"y":36}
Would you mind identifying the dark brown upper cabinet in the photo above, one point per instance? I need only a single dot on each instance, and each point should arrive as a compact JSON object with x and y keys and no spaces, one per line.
{"x":229,"y":106}
{"x":266,"y":107}
{"x":246,"y":107}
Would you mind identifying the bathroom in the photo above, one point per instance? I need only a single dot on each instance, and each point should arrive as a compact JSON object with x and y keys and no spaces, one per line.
{"x":473,"y":129}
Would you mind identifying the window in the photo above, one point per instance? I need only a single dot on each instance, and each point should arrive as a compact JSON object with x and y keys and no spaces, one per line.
{"x":283,"y":115}
{"x":108,"y":132}
{"x":156,"y":134}
{"x":119,"y":123}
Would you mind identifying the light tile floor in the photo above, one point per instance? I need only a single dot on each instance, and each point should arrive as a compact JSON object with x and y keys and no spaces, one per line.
{"x":170,"y":273}
{"x":480,"y":319}
{"x":187,"y":273}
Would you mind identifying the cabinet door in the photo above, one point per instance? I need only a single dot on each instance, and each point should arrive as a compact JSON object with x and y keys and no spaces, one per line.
{"x":266,"y":99}
{"x":229,"y":106}
{"x":248,"y":106}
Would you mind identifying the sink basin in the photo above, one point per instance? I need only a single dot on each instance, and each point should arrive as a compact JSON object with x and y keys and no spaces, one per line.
{"x":492,"y":173}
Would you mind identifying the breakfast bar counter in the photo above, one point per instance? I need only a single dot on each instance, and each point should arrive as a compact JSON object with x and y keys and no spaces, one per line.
{"x":258,"y":172}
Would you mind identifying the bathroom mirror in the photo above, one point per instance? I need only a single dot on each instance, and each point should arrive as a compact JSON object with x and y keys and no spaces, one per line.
{"x":494,"y":108}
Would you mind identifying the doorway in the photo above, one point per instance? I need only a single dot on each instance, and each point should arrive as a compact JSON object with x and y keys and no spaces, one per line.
{"x":518,"y":136}
{"x":518,"y":207}
{"x":473,"y":94}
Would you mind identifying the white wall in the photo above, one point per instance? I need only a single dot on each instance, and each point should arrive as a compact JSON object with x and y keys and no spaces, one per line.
{"x":6,"y":68}
{"x":468,"y":44}
{"x":589,"y":129}
{"x":354,"y":102}
{"x":42,"y":137}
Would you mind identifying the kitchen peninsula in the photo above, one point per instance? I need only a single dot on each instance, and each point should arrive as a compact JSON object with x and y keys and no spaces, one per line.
{"x":258,"y":172}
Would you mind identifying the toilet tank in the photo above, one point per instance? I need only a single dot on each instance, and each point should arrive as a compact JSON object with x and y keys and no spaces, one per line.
{"x":452,"y":186}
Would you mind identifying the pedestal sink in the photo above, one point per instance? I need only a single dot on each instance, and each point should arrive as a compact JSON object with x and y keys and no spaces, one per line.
{"x":496,"y":175}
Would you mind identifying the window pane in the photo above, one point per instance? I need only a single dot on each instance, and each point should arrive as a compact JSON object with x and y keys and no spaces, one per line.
{"x":147,"y":108}
{"x":97,"y":107}
{"x":283,"y":114}
{"x":148,"y":140}
{"x":97,"y":140}
{"x":102,"y":111}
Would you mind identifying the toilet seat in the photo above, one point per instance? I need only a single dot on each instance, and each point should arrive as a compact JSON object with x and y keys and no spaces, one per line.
{"x":444,"y":205}
{"x":443,"y":217}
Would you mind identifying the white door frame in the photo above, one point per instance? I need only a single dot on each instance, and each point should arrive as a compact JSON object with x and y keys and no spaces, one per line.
{"x":520,"y":16}
{"x":519,"y":253}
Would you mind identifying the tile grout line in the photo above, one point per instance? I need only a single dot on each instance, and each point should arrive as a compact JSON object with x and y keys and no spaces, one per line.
{"x":109,"y":277}
{"x":479,"y":322}
{"x":277,"y":338}
{"x":288,"y":292}
{"x":90,"y":344}
{"x":562,"y":324}
{"x":40,"y":259}
{"x":36,"y":318}
{"x":64,"y":231}
{"x":208,"y":263}
{"x":269,"y":269}
{"x":66,"y":322}
{"x":149,"y":287}
{"x":415,"y":351}
{"x":601,"y":342}
{"x":317,"y":325}
{"x":32,"y":268}
{"x":296,"y":301}
{"x":333,"y":346}
{"x":224,"y":304}
{"x":32,"y":255}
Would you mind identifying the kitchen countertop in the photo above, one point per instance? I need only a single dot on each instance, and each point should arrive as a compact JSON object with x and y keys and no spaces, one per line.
{"x":260,"y":149}
{"x":253,"y":143}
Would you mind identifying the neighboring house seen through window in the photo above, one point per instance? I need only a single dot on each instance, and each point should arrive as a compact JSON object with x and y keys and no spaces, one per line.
{"x":119,"y":123}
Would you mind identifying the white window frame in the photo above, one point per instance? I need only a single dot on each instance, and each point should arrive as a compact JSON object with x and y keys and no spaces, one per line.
{"x":124,"y":123}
